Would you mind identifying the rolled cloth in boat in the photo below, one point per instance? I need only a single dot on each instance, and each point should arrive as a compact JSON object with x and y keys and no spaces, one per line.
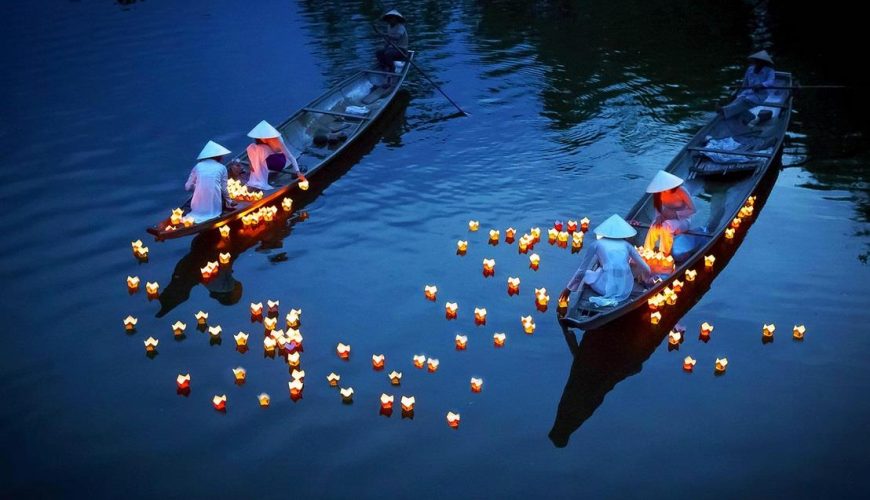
{"x":276,"y":161}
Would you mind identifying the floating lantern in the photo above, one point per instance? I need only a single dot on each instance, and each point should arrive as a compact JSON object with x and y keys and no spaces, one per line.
{"x":431,"y":292}
{"x":303,"y":185}
{"x":256,"y":308}
{"x":136,"y":244}
{"x":480,"y":316}
{"x":476,"y":384}
{"x":461,"y":247}
{"x":513,"y":286}
{"x":130,"y":323}
{"x":419,"y":360}
{"x":541,"y":297}
{"x":498,"y":339}
{"x":293,"y":359}
{"x":671,"y":299}
{"x":488,"y":267}
{"x":746,"y":212}
{"x":293,"y":318}
{"x":534,"y":261}
{"x":224,"y":258}
{"x":264,"y":400}
{"x":240,"y":374}
{"x":346,"y":394}
{"x":183,"y":381}
{"x":378,"y":361}
{"x":219,"y":402}
{"x":552,"y":235}
{"x":690,"y":274}
{"x":563,"y":305}
{"x":721,"y":365}
{"x":473,"y":225}
{"x":432,"y":365}
{"x":215,"y":331}
{"x":152,"y":288}
{"x":175,"y":216}
{"x":178,"y":328}
{"x":151,"y":344}
{"x":689,"y":363}
{"x":729,"y":233}
{"x":655,"y":302}
{"x":577,"y":241}
{"x":333,"y":379}
{"x":225,"y":231}
{"x":563,"y":239}
{"x":674,"y":338}
{"x":528,"y":324}
{"x":294,"y":336}
{"x":132,"y":283}
{"x":298,"y":375}
{"x":523,"y":245}
{"x":296,"y":387}
{"x":273,"y":306}
{"x":655,"y":317}
{"x":677,"y":286}
{"x":453,"y":420}
{"x":494,"y":235}
{"x":767,"y":330}
{"x":206,"y":272}
{"x":387,"y":401}
{"x":269,"y":344}
{"x":451,"y":309}
{"x":461,"y":341}
{"x":343,"y":351}
{"x":535,"y":234}
{"x":509,"y":235}
{"x":735,"y":222}
{"x":706,"y":329}
{"x":709,"y":260}
{"x":798,"y":332}
{"x":395,"y":377}
{"x":572,"y":226}
{"x":287,"y":204}
{"x":141,"y":252}
{"x":201,"y":318}
{"x":584,"y":224}
{"x":408,"y":403}
{"x":241,"y":339}
{"x":557,"y":225}
{"x":270,"y":323}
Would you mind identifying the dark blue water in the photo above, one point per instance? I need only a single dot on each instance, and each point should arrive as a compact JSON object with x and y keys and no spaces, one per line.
{"x":574,"y":106}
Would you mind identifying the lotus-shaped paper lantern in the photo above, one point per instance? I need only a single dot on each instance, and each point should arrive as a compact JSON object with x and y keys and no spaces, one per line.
{"x":273,"y":306}
{"x":240,"y":374}
{"x":572,"y":226}
{"x":151,"y":344}
{"x":494,"y":235}
{"x":677,"y":286}
{"x":408,"y":403}
{"x":219,"y":402}
{"x":798,"y":332}
{"x":270,"y":324}
{"x":178,"y":328}
{"x":552,"y":235}
{"x":451,"y":309}
{"x":690,"y":274}
{"x":476,"y":384}
{"x":183,"y":381}
{"x":461,"y":342}
{"x":269,"y":344}
{"x":287,"y":204}
{"x":378,"y":361}
{"x":132,"y":283}
{"x":343,"y":351}
{"x":433,"y":364}
{"x":528,"y":324}
{"x":419,"y":360}
{"x":294,"y":318}
{"x":689,"y":363}
{"x":480,"y":316}
{"x":461,"y":246}
{"x":534,"y":261}
{"x":706,"y":329}
{"x":431,"y":292}
{"x":225,"y":231}
{"x":298,"y":375}
{"x":264,"y":399}
{"x":453,"y":420}
{"x":241,"y":339}
{"x":557,"y":225}
{"x":584,"y":224}
{"x":729,"y":233}
{"x":513,"y":285}
{"x":498,"y":339}
{"x":721,"y":365}
{"x":735,"y":222}
{"x":767,"y":330}
{"x":152,"y":288}
{"x":294,"y":359}
{"x":674,"y":338}
{"x":346,"y":394}
{"x":215,"y":331}
{"x":130,"y":323}
{"x":224,"y":257}
{"x":256,"y":308}
{"x":509,"y":234}
{"x":488,"y":267}
{"x":473,"y":225}
{"x":333,"y":379}
{"x":655,"y":317}
{"x":709,"y":260}
{"x":201,"y":318}
{"x":387,"y":401}
{"x":395,"y":377}
{"x":296,"y":387}
{"x":303,"y":185}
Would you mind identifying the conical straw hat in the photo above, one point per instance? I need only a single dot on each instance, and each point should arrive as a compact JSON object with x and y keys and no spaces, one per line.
{"x":662,"y":182}
{"x":211,"y":150}
{"x":614,"y":227}
{"x":263,"y":130}
{"x":393,"y":12}
{"x":762,"y":55}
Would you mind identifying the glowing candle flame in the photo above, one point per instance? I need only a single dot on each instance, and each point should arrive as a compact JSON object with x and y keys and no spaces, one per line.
{"x":453,"y":419}
{"x":264,"y":399}
{"x":130,"y":323}
{"x":151,"y":344}
{"x":343,"y":351}
{"x":432,"y":365}
{"x":498,"y":339}
{"x":431,"y":292}
{"x":219,"y":402}
{"x":419,"y":360}
{"x":183,"y":381}
{"x":689,"y":363}
{"x":476,"y":384}
{"x":473,"y":225}
{"x":395,"y":377}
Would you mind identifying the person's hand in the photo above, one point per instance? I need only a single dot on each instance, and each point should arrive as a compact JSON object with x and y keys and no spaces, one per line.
{"x":564,"y":295}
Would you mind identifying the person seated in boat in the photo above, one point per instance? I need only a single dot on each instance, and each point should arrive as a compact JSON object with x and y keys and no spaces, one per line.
{"x":208,"y":180}
{"x":268,"y":153}
{"x":674,"y":208}
{"x":759,"y":77}
{"x":396,"y":43}
{"x":618,"y":263}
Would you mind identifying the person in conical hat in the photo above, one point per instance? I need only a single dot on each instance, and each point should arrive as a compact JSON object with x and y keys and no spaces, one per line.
{"x":759,"y":77}
{"x":396,"y":41}
{"x":208,"y":180}
{"x":267,"y":153}
{"x":673,"y":207}
{"x":610,"y":265}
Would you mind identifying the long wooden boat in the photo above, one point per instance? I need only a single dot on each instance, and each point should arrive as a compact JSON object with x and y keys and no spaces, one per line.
{"x":721,"y":182}
{"x":318,"y":133}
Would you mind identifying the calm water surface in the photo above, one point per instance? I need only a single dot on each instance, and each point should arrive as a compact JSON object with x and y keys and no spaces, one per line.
{"x":574,"y":107}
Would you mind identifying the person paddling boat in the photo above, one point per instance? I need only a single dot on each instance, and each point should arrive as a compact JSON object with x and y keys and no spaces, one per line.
{"x":758,"y":78}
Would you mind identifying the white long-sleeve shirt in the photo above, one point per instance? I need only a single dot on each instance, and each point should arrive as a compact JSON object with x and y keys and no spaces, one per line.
{"x":614,"y":278}
{"x":257,"y":154}
{"x":208,"y":180}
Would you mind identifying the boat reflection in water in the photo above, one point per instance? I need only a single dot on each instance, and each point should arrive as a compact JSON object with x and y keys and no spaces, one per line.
{"x":206,"y":246}
{"x":608,"y":355}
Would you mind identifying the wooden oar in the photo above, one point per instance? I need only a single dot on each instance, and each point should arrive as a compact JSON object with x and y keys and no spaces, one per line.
{"x":422,"y":72}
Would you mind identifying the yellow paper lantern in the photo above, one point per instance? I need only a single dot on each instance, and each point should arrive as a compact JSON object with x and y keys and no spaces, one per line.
{"x":431,"y":292}
{"x":395,"y":377}
{"x":130,"y":323}
{"x":264,"y":399}
{"x":473,"y":225}
{"x":333,"y":379}
{"x":151,"y":344}
{"x":419,"y":360}
{"x":498,"y":339}
{"x":798,"y":332}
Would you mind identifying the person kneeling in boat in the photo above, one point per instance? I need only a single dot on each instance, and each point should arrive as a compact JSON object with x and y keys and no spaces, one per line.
{"x":618,"y":263}
{"x":674,"y":207}
{"x":208,"y":180}
{"x":268,"y":153}
{"x":759,"y":77}
{"x":396,"y":47}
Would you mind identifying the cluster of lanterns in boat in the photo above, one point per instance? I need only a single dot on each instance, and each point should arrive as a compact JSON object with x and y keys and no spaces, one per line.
{"x":140,"y":251}
{"x":262,"y":214}
{"x":177,"y":220}
{"x":240,"y":192}
{"x":658,"y":262}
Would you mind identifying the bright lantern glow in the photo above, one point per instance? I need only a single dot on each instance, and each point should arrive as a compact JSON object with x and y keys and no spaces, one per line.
{"x":395,"y":377}
{"x":152,"y":288}
{"x":451,"y":309}
{"x":408,"y":403}
{"x":494,"y":234}
{"x":721,"y":364}
{"x":293,"y":318}
{"x":552,"y":234}
{"x":294,"y":359}
{"x":584,"y":224}
{"x":674,"y":337}
{"x":535,"y":233}
{"x":577,"y":240}
{"x":767,"y":330}
{"x":735,"y":222}
{"x":431,"y":292}
{"x":480,"y":315}
{"x":298,"y":375}
{"x":473,"y":225}
{"x":433,"y":365}
{"x":377,"y":361}
{"x":303,"y":185}
{"x":655,"y":317}
{"x":690,"y":274}
{"x":513,"y":286}
{"x":342,"y":350}
{"x":270,"y":323}
{"x":241,"y":339}
{"x":510,"y":233}
{"x":201,"y":317}
{"x":178,"y":328}
{"x":488,"y":265}
{"x":333,"y":379}
{"x":269,"y":344}
{"x":534,"y":261}
{"x":541,"y":297}
{"x":130,"y":323}
{"x":214,"y":331}
{"x":572,"y":226}
{"x":677,"y":286}
{"x":706,"y":328}
{"x":798,"y":332}
{"x":133,"y":283}
{"x":498,"y":339}
{"x":461,"y":341}
{"x":528,"y":324}
{"x":225,"y":231}
{"x":273,"y":306}
{"x":264,"y":399}
{"x":256,"y":309}
{"x":224,"y":258}
{"x":296,"y":387}
{"x":183,"y":381}
{"x":729,"y":233}
{"x":287,"y":204}
{"x":476,"y":384}
{"x":219,"y":402}
{"x":346,"y":394}
{"x":709,"y":260}
{"x":240,"y":374}
{"x":419,"y":360}
{"x":453,"y":419}
{"x":689,"y":363}
{"x":387,"y":401}
{"x":461,"y":246}
{"x":563,"y":237}
{"x":151,"y":344}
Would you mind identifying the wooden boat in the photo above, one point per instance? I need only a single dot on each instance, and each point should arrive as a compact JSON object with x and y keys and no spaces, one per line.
{"x":721,"y":182}
{"x":317,"y":134}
